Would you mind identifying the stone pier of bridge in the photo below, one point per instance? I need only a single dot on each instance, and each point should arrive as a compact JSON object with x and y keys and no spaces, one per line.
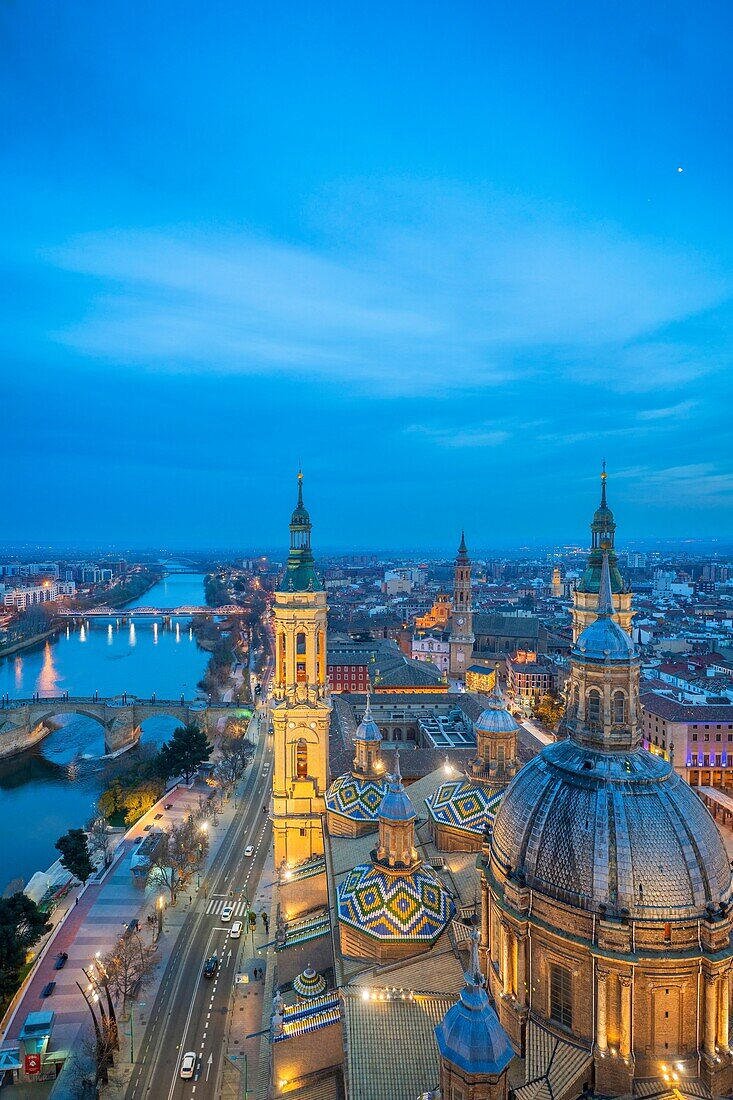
{"x":25,"y":722}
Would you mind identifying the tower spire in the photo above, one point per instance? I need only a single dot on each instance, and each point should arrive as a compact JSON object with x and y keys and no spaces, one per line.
{"x":463,"y":549}
{"x":605,"y":599}
{"x":604,"y":475}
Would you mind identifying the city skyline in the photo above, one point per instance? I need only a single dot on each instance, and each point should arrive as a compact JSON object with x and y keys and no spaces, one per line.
{"x":447,"y":260}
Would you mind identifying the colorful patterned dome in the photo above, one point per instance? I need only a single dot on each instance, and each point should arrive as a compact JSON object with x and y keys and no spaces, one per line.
{"x":309,"y":984}
{"x":358,"y":799}
{"x":464,"y":804}
{"x":393,"y":907}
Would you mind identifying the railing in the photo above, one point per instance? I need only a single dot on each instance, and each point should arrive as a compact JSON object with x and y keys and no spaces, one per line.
{"x":124,"y":699}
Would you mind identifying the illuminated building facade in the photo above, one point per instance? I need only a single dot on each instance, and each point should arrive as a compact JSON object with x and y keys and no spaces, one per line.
{"x":300,"y":704}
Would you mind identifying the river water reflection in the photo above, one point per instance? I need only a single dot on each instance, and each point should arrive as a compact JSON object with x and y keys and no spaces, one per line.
{"x":55,"y":787}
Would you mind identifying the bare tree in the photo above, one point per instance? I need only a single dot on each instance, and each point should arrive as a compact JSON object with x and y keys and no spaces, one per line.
{"x":99,"y":839}
{"x":179,"y":856}
{"x":128,"y":968}
{"x":235,"y":754}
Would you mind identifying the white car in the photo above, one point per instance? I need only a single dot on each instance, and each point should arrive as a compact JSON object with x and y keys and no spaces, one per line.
{"x":188,"y":1065}
{"x":249,"y":850}
{"x":226,"y":913}
{"x":236,"y":930}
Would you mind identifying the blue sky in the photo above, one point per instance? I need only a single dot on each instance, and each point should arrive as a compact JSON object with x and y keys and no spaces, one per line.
{"x":442,"y":254}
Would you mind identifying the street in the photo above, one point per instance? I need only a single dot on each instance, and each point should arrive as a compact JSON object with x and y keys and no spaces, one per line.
{"x":190,"y":1011}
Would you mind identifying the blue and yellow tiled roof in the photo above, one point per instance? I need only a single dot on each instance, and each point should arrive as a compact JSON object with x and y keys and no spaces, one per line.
{"x":464,"y":804}
{"x":357,"y":799}
{"x":411,"y":905}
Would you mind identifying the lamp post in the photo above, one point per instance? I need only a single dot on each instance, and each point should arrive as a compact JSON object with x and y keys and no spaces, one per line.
{"x":161,"y":903}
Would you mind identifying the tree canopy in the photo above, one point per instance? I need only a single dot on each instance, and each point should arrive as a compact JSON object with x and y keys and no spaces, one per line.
{"x":74,"y":849}
{"x":21,"y":924}
{"x":185,"y":752}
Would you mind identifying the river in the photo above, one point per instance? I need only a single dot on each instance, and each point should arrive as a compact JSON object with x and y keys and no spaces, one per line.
{"x":55,"y":786}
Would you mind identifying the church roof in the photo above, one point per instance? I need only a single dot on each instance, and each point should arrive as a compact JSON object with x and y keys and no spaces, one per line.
{"x":396,"y":805}
{"x":368,"y":730}
{"x":464,"y":804}
{"x":393,"y":907}
{"x":357,"y":799}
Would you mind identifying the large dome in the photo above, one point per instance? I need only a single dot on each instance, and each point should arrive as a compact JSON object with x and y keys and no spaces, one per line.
{"x":620,"y":829}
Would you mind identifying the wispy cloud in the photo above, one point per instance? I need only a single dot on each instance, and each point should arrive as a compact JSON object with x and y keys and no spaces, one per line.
{"x":669,"y":412}
{"x":461,"y":294}
{"x":695,"y":484}
{"x":465,"y":437}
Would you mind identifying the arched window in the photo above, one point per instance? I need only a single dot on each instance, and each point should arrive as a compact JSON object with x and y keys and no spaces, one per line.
{"x":619,"y":708}
{"x":397,"y":734}
{"x":300,"y":673}
{"x":301,"y":759}
{"x":576,"y":697}
{"x":594,"y":707}
{"x":500,"y":758}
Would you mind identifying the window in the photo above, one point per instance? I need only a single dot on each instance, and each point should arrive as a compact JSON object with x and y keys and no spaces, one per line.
{"x":594,"y":708}
{"x":301,"y":759}
{"x":619,"y":708}
{"x":561,"y":995}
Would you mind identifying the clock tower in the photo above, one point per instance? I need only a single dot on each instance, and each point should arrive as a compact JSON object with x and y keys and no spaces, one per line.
{"x":461,"y":621}
{"x":301,"y":709}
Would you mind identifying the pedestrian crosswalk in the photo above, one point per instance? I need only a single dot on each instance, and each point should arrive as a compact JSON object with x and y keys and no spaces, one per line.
{"x":216,"y":905}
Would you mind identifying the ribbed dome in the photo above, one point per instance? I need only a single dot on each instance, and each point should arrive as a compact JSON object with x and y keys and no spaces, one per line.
{"x":604,"y":640}
{"x":496,"y":718}
{"x":620,"y":829}
{"x":469,"y":1035}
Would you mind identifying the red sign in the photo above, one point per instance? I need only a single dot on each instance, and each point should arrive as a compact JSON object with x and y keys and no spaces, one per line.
{"x":32,"y":1064}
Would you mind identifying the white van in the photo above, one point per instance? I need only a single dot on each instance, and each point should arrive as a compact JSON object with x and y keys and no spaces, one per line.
{"x":236,"y":930}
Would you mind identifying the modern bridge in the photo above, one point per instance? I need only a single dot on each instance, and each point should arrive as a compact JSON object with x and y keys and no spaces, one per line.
{"x":23,"y":722}
{"x":149,"y":612}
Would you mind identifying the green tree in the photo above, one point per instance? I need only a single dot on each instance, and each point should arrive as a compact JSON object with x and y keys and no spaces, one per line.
{"x":74,"y":849}
{"x":549,"y":710}
{"x":185,"y":752}
{"x":110,"y":800}
{"x":21,"y":924}
{"x":182,"y":852}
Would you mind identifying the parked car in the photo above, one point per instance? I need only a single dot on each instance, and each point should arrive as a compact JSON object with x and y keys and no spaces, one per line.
{"x":168,"y":806}
{"x":236,"y":930}
{"x":157,"y":817}
{"x":211,"y":966}
{"x":61,"y":960}
{"x":226,"y":913}
{"x":188,"y":1065}
{"x":48,"y":989}
{"x":249,"y":850}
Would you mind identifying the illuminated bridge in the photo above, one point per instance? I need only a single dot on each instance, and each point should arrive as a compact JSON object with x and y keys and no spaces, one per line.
{"x":149,"y":612}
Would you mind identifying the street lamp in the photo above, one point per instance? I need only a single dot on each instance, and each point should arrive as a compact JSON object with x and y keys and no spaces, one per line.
{"x":161,"y":903}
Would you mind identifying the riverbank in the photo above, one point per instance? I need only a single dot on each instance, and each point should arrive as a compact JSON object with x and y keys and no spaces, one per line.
{"x":26,"y":643}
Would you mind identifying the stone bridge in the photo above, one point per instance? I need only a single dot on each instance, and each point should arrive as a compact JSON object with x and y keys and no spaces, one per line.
{"x":23,"y":722}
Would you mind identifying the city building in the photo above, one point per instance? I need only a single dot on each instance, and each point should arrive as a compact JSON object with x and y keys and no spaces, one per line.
{"x":23,"y":596}
{"x":480,"y":678}
{"x":529,"y":677}
{"x":696,"y":737}
{"x":438,"y":615}
{"x":433,"y":646}
{"x":585,"y":595}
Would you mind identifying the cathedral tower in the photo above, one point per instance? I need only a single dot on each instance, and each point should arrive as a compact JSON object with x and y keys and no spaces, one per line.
{"x":585,"y":597}
{"x":461,"y":628}
{"x":300,"y":705}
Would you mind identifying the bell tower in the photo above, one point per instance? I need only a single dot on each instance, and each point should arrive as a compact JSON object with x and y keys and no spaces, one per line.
{"x":301,"y":708}
{"x":461,"y":622}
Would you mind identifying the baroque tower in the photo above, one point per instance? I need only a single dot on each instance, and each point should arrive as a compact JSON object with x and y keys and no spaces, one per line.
{"x":585,"y":597}
{"x":301,"y":708}
{"x":461,"y":631}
